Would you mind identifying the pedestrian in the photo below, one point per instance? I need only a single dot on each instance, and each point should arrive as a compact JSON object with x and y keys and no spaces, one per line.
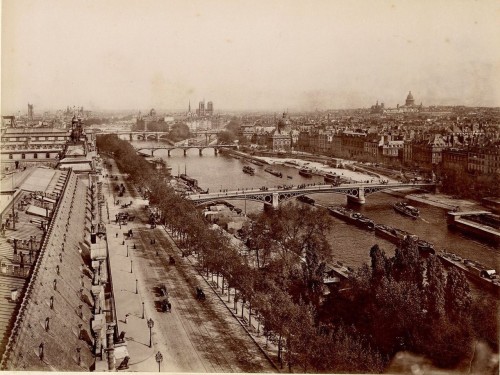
{"x":116,"y":235}
{"x":126,"y":317}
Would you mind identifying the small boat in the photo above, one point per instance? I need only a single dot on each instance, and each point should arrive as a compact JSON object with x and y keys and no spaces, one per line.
{"x":290,"y":177}
{"x":273,"y":172}
{"x":406,"y":209}
{"x":305,"y":172}
{"x":249,"y":170}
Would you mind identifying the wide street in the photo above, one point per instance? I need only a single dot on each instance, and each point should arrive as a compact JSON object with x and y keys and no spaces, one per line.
{"x":196,"y":336}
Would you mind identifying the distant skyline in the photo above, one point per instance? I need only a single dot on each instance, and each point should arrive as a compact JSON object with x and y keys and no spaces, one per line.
{"x":248,"y":55}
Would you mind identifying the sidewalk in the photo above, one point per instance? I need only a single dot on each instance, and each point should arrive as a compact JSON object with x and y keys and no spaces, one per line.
{"x":129,"y":305}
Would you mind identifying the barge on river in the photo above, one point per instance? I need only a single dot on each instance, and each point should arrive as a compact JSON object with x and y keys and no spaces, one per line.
{"x":352,"y":217}
{"x":396,"y":235}
{"x":273,"y":172}
{"x":305,"y":172}
{"x":475,"y":271}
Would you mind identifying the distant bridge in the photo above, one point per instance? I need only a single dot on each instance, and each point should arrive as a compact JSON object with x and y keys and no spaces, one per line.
{"x":185,"y":148}
{"x":356,"y":192}
{"x":144,"y":135}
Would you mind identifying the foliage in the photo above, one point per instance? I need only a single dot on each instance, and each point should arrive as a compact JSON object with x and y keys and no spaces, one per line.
{"x":226,"y":137}
{"x":179,"y":132}
{"x":399,"y":303}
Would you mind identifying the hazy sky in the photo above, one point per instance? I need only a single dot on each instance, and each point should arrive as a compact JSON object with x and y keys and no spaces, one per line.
{"x":123,"y":54}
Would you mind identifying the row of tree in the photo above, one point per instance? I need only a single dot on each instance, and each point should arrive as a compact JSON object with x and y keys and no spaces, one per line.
{"x":399,"y":303}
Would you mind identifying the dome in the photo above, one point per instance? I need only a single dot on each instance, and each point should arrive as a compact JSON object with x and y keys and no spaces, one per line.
{"x":409,"y":100}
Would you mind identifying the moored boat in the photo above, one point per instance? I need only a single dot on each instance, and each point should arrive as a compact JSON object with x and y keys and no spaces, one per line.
{"x":406,"y":209}
{"x":394,"y":235}
{"x":352,"y":217}
{"x":331,"y":178}
{"x":249,"y":170}
{"x":425,"y":247}
{"x":305,"y":172}
{"x":475,"y":271}
{"x":273,"y":172}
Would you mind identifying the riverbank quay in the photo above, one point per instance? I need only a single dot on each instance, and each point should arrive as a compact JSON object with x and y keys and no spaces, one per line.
{"x":318,"y":166}
{"x":191,"y":337}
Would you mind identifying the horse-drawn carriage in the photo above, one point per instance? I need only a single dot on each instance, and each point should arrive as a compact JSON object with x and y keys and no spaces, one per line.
{"x":165,"y":303}
{"x":200,"y":295}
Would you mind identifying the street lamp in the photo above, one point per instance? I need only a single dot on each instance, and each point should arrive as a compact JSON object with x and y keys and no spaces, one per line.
{"x":127,"y":251}
{"x":151,"y":324}
{"x":143,"y":310}
{"x":136,"y":286}
{"x":130,"y":265}
{"x":159,"y":359}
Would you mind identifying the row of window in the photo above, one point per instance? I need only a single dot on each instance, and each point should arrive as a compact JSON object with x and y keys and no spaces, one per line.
{"x":35,"y":156}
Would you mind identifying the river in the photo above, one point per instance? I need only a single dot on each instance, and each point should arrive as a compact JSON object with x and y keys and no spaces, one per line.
{"x":349,"y":243}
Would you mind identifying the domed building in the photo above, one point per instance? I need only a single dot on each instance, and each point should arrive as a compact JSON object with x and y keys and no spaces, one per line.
{"x":408,"y":107}
{"x":409,"y":100}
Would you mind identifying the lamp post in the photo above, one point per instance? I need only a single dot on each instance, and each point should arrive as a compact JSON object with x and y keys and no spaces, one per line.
{"x":136,"y":292}
{"x":151,"y":324}
{"x":143,"y":310}
{"x":130,"y":265}
{"x":127,"y":251}
{"x":159,"y":359}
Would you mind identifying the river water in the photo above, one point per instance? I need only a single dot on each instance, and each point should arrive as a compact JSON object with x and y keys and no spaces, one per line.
{"x":349,"y":243}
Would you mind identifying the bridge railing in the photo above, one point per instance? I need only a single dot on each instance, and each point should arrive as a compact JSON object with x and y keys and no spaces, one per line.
{"x":313,"y":188}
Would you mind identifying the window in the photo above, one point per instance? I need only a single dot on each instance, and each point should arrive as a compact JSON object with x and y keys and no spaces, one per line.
{"x":47,"y":155}
{"x":10,"y":156}
{"x":23,"y":156}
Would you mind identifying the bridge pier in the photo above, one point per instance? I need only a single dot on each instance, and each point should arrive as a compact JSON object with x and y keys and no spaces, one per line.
{"x":131,"y":137}
{"x":215,"y":150}
{"x":360,"y":199}
{"x":185,"y":152}
{"x":152,"y":152}
{"x":275,"y":200}
{"x":168,"y":151}
{"x":157,"y":137}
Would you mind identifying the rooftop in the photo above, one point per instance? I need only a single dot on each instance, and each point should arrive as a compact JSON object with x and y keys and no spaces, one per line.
{"x":55,"y":312}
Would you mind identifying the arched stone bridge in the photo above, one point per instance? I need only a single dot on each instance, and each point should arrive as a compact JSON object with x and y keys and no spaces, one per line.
{"x":356,"y":192}
{"x":185,"y":148}
{"x":137,"y":135}
{"x":145,"y":135}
